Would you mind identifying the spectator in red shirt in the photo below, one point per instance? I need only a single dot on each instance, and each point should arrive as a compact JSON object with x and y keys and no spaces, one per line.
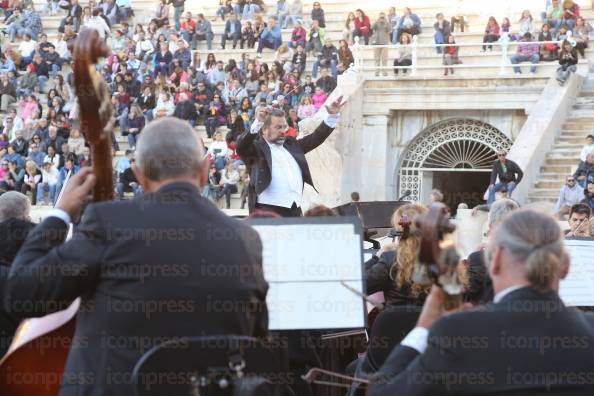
{"x":362,"y":26}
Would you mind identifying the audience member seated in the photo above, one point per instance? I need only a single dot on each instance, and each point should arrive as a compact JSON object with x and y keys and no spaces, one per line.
{"x":271,"y":37}
{"x":526,"y":25}
{"x":458,"y":17}
{"x":581,"y":35}
{"x":204,"y":31}
{"x":327,"y":58}
{"x":442,"y":31}
{"x":568,"y":59}
{"x":450,"y":55}
{"x":549,"y":51}
{"x":128,"y":182}
{"x":571,"y":11}
{"x":585,"y":170}
{"x":49,"y":184}
{"x":317,"y":14}
{"x":232,"y":31}
{"x":403,"y":54}
{"x":228,"y":183}
{"x":553,"y":16}
{"x":492,"y":33}
{"x":409,"y":23}
{"x":587,"y":148}
{"x":571,"y":193}
{"x":294,"y":14}
{"x":589,"y":193}
{"x":315,"y":39}
{"x":298,"y":36}
{"x":527,"y":51}
{"x":362,"y":26}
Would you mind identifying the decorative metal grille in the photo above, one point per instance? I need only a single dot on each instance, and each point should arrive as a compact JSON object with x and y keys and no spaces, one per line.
{"x":453,"y":144}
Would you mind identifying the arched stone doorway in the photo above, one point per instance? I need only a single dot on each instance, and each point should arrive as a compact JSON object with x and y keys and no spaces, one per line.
{"x":454,"y":155}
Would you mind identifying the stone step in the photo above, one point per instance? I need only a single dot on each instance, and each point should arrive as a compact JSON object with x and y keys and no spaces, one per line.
{"x":565,"y":152}
{"x":553,"y":176}
{"x":539,"y":199}
{"x":584,"y":106}
{"x":561,"y":169}
{"x":549,"y":184}
{"x":581,"y":132}
{"x":545,"y":192}
{"x":577,"y":146}
{"x":578,"y":124}
{"x":571,"y":140}
{"x":552,"y":159}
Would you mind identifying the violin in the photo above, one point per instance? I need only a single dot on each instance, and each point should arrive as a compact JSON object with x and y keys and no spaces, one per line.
{"x":40,"y":347}
{"x":438,"y":261}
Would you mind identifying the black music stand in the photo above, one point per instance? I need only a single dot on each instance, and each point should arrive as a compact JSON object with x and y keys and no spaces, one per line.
{"x":181,"y":367}
{"x":373,"y":215}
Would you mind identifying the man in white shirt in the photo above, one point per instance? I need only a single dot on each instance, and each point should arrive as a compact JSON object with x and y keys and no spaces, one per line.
{"x":144,"y":48}
{"x":570,"y":194}
{"x":99,"y":24}
{"x":27,"y":49}
{"x":278,"y":165}
{"x":164,"y":107}
{"x":49,"y":183}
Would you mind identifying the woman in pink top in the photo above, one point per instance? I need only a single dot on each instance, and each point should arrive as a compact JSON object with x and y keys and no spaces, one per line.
{"x":28,"y":107}
{"x":319,"y":98}
{"x":306,"y":109}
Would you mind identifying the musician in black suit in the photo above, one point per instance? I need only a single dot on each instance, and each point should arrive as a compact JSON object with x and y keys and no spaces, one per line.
{"x":526,"y":343}
{"x":278,"y":165}
{"x":14,"y":227}
{"x":165,"y":265}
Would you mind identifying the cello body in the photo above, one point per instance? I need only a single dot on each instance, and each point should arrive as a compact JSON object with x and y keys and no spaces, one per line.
{"x":35,"y":362}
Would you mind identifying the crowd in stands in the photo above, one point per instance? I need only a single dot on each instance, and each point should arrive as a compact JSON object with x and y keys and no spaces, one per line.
{"x":156,"y":70}
{"x":579,"y":187}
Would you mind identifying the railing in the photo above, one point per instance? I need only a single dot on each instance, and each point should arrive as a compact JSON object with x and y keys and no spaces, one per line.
{"x":503,"y":43}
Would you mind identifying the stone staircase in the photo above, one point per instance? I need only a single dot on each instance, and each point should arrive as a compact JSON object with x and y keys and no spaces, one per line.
{"x":562,"y":160}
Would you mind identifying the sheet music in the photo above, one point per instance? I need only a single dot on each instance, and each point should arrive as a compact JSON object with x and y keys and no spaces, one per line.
{"x":304,"y":265}
{"x":577,"y":288}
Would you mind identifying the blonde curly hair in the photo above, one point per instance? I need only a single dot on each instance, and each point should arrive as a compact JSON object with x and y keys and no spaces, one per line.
{"x":407,"y":251}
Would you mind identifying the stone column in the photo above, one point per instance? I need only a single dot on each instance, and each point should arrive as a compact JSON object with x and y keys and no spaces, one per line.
{"x":373,"y":171}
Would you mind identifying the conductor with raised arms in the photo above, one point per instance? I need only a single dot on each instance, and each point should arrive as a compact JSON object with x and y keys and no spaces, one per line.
{"x":278,"y":165}
{"x":148,"y":270}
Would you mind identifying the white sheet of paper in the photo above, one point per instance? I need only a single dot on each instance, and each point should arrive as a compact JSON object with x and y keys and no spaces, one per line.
{"x":304,"y":265}
{"x":577,"y":288}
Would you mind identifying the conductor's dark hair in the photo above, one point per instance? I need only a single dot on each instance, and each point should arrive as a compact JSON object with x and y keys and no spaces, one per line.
{"x":355,"y":196}
{"x":273,"y":113}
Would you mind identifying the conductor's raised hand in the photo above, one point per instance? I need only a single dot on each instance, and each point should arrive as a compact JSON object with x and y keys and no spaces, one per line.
{"x":334,"y":107}
{"x":77,"y":192}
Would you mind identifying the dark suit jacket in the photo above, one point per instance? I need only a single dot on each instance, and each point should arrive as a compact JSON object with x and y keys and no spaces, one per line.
{"x":12,"y":235}
{"x":165,"y":265}
{"x":502,"y":349}
{"x":237,"y":27}
{"x":255,"y":152}
{"x":513,"y":173}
